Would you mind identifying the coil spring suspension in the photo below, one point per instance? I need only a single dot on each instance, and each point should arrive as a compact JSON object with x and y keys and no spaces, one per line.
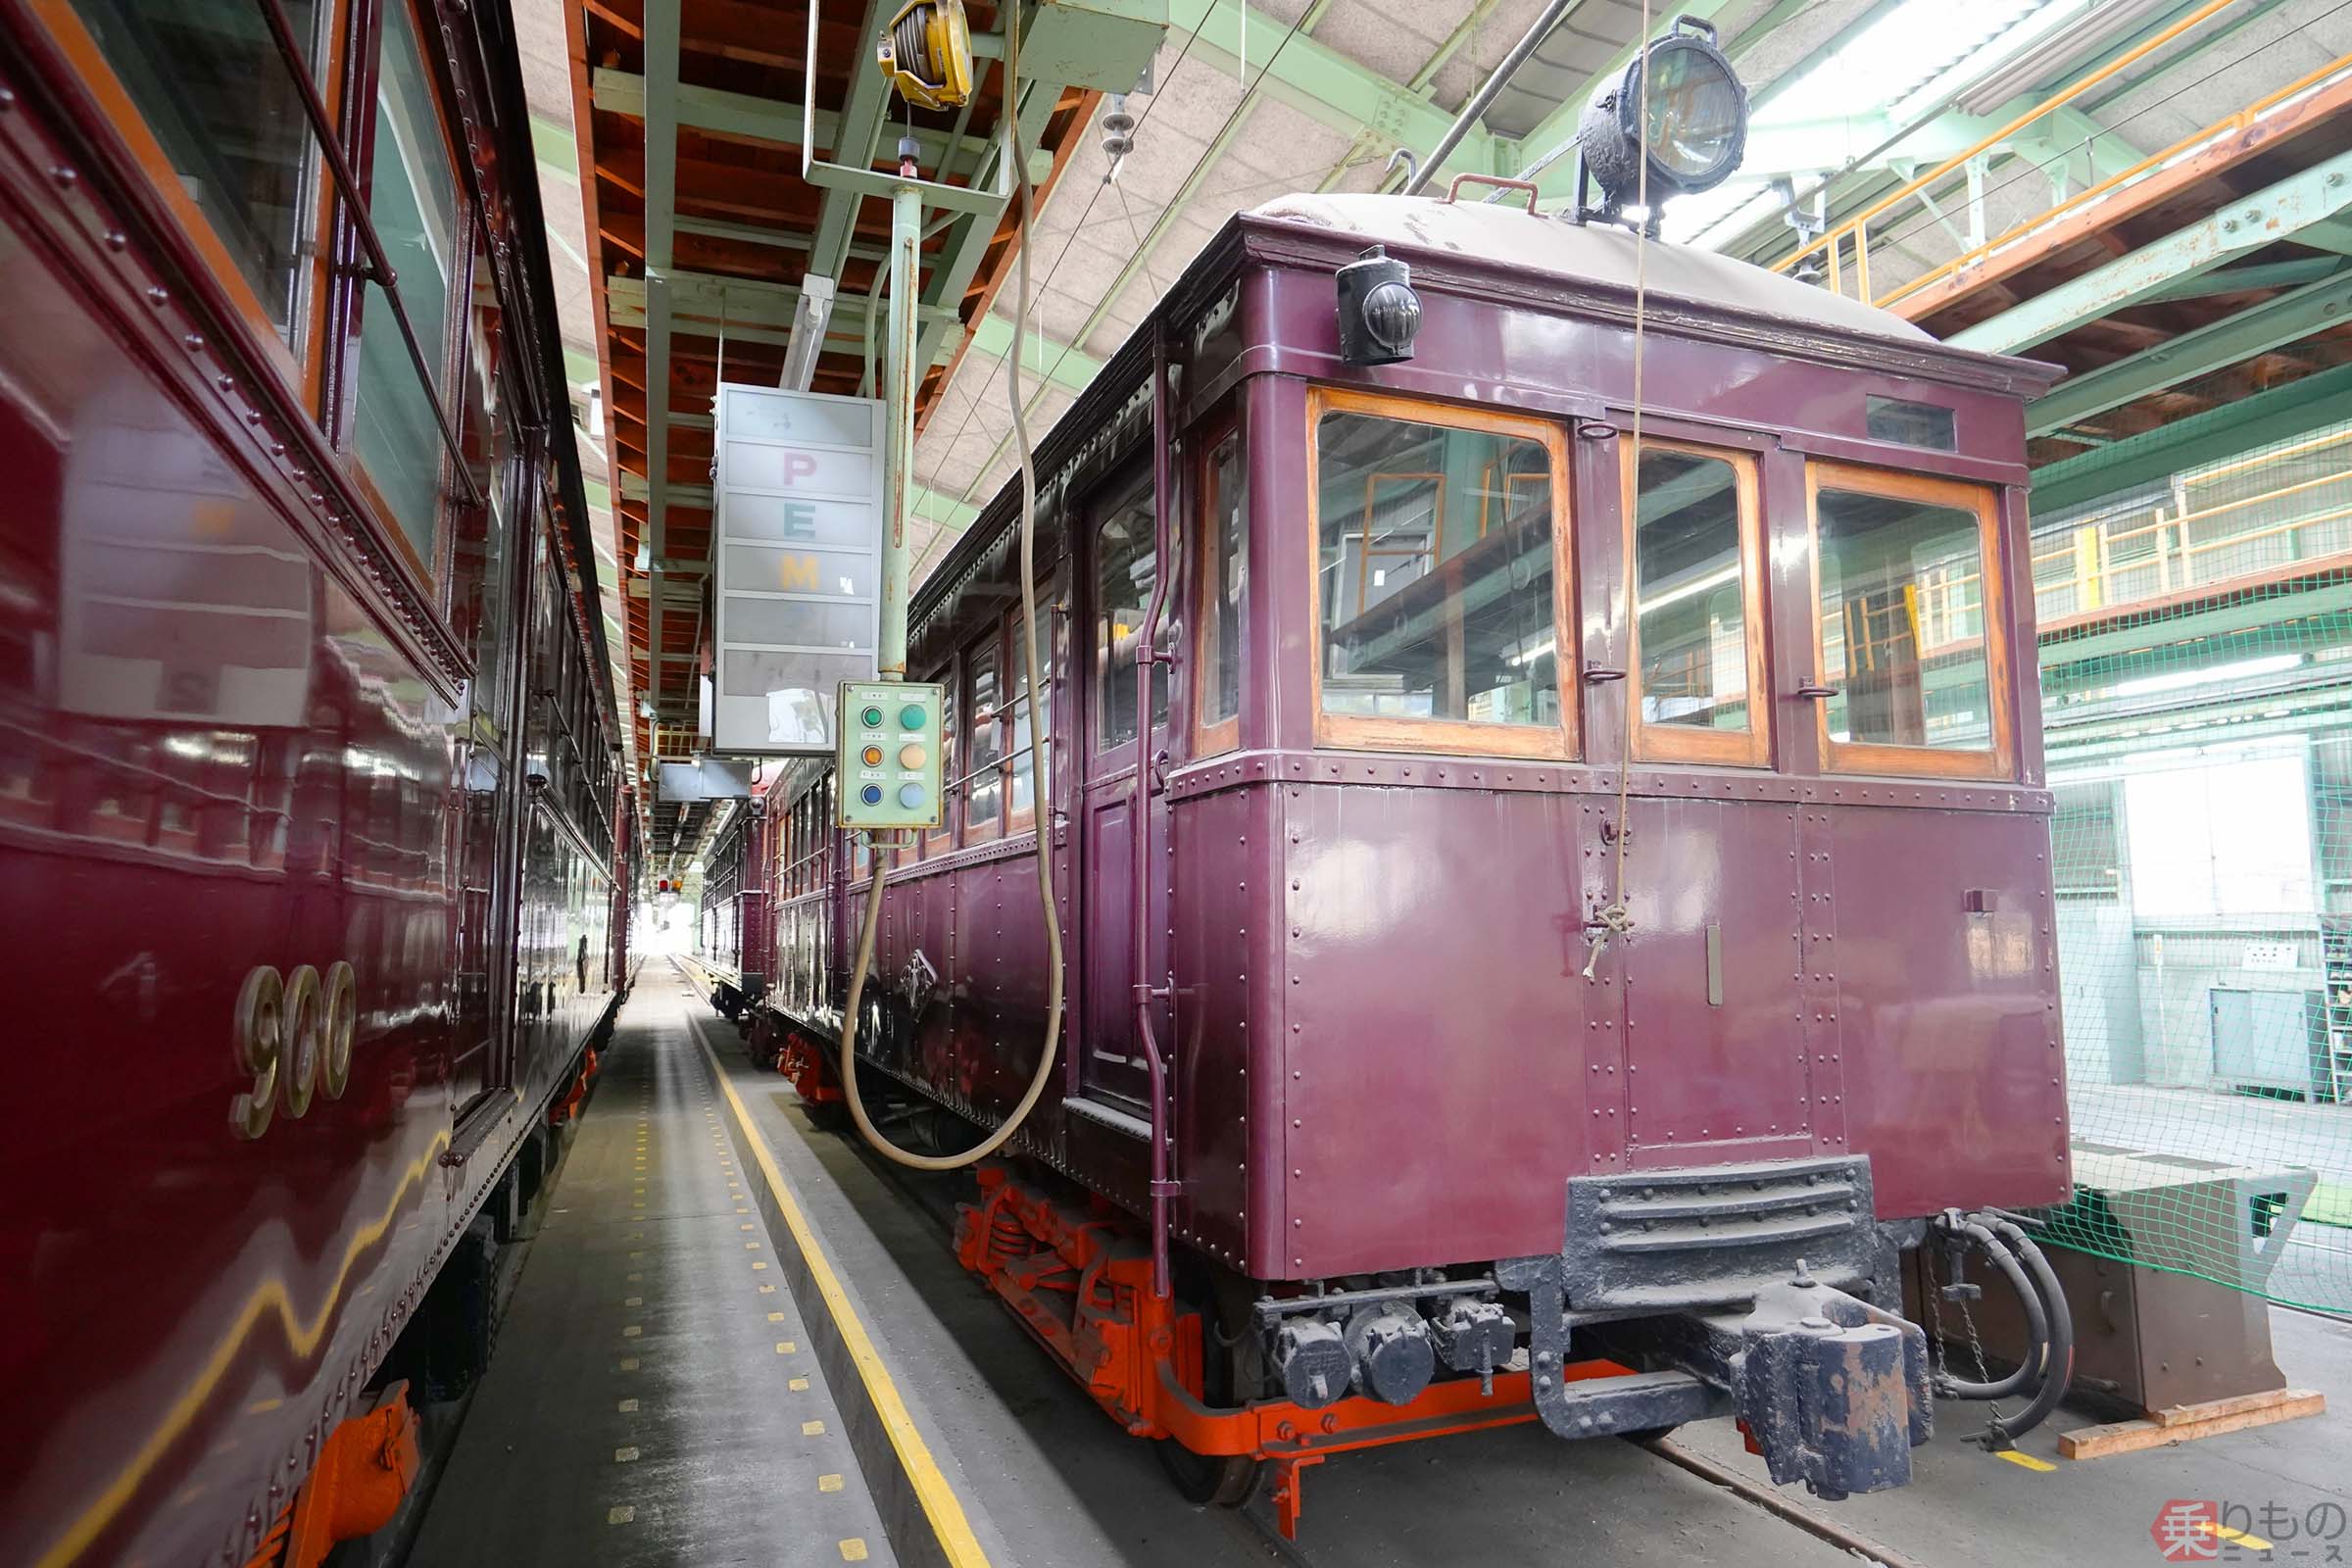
{"x":1007,"y":1237}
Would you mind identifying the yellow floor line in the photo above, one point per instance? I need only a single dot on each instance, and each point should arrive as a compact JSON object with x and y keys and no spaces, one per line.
{"x":2024,"y":1461}
{"x":940,"y":1504}
{"x":2250,"y":1542}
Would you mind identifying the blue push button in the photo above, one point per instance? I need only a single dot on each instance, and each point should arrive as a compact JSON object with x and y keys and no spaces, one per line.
{"x":872,"y":795}
{"x":910,"y":796}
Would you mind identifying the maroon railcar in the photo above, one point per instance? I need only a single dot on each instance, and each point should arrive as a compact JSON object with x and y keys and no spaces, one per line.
{"x":307,"y":823}
{"x":1572,"y":891}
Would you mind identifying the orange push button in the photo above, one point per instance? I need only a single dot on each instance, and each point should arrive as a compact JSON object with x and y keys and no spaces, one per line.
{"x":871,"y":756}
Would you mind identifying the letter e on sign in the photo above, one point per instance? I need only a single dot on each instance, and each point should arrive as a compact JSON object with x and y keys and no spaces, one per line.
{"x":800,"y":520}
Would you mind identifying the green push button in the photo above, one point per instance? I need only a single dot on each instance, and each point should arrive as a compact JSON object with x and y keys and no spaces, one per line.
{"x":910,"y":716}
{"x":873,"y":717}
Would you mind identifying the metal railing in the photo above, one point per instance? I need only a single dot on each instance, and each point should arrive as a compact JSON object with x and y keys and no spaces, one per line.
{"x":1848,"y":241}
{"x":2172,"y":547}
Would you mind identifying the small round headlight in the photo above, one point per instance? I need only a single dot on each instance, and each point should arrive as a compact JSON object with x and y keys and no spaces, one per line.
{"x":1393,"y":315}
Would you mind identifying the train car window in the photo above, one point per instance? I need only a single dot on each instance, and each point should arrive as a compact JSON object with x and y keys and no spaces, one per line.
{"x":1016,"y":762}
{"x":1696,"y":539}
{"x":413,"y":199}
{"x":984,"y":750}
{"x":227,"y":127}
{"x":1436,"y":577}
{"x":1126,"y":566}
{"x":1224,"y":593}
{"x":1914,"y":424}
{"x":1908,"y":625}
{"x":942,"y":838}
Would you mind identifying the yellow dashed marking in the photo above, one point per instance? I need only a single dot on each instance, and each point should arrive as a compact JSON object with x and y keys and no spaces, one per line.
{"x":852,"y":1549}
{"x":751,"y":1246}
{"x":758,"y":1265}
{"x":828,"y":1483}
{"x":768,"y":1289}
{"x":624,"y":1455}
{"x":798,"y":1385}
{"x":2024,"y":1461}
{"x":628,"y":1407}
{"x":632,"y":1300}
{"x":747,"y":1227}
{"x":628,"y":1363}
{"x":785,"y":1346}
{"x":813,"y":1429}
{"x":633,"y":1278}
{"x":776,"y":1318}
{"x":631,"y":1332}
{"x":621,"y":1515}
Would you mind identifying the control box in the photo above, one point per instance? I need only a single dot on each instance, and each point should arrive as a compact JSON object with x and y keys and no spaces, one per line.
{"x":889,"y":755}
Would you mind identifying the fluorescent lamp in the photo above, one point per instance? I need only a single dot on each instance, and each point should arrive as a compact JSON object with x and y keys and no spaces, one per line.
{"x":809,"y":318}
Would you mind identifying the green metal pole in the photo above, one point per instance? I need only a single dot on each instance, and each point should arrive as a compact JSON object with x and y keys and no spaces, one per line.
{"x":900,"y":388}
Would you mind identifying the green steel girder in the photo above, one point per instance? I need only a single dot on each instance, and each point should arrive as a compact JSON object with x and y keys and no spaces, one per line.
{"x":1320,"y":83}
{"x":2233,"y":339}
{"x":1042,"y":359}
{"x":2215,"y":436}
{"x":735,"y":114}
{"x":860,"y":132}
{"x":2275,"y":213}
{"x":734,"y":302}
{"x":661,"y":209}
{"x":2256,"y":274}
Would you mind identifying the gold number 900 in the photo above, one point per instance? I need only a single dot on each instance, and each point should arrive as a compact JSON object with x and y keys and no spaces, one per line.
{"x":294,"y":1037}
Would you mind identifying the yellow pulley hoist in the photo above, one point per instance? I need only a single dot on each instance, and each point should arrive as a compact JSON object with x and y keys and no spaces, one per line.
{"x":927,"y":54}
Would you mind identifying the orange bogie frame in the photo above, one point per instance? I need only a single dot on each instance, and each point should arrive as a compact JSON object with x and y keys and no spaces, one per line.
{"x":1080,"y":1279}
{"x":811,"y":1078}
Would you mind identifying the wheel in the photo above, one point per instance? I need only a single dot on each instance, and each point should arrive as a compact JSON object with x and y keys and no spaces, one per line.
{"x":1212,"y":1481}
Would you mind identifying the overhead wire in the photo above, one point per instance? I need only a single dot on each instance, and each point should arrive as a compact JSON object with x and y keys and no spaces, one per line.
{"x":1019,"y":345}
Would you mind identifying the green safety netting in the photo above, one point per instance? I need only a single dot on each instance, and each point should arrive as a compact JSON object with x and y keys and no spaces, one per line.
{"x":2196,"y":670}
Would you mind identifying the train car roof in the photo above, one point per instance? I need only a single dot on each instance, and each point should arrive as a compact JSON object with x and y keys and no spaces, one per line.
{"x":1505,"y":234}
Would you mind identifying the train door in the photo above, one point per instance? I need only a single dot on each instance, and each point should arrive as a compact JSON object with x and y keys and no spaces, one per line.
{"x":1715,"y":1044}
{"x":1118,"y":568}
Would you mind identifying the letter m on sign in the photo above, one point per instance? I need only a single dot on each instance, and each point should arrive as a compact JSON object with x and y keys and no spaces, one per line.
{"x":796,"y":574}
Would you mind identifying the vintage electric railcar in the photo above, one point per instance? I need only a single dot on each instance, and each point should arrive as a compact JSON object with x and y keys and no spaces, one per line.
{"x":1556,"y":925}
{"x":308,"y":828}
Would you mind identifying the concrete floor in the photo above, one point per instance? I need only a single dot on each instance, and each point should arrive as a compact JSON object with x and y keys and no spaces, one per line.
{"x":720,"y":1475}
{"x":1063,"y":1488}
{"x":651,"y":1399}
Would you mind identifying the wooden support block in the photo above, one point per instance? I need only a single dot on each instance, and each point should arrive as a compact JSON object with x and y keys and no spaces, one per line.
{"x":2181,"y":1423}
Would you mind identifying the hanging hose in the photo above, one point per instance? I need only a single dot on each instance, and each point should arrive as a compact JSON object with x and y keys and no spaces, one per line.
{"x":2049,"y":1355}
{"x":1038,"y":741}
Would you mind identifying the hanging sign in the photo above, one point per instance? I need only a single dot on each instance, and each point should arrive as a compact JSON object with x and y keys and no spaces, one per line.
{"x":798,"y":553}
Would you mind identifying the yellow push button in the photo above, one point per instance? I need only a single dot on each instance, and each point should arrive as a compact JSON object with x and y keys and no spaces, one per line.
{"x":911,"y":756}
{"x":871,"y":756}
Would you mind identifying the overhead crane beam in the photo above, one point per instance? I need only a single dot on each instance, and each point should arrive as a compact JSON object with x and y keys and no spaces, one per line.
{"x":2279,"y":211}
{"x":2278,"y":414}
{"x":2257,"y":330}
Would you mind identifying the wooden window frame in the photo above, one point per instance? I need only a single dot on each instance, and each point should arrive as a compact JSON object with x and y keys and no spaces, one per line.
{"x":457,"y":322}
{"x":301,"y":365}
{"x":1214,"y":737}
{"x":1678,"y":743}
{"x":975,"y":831}
{"x":1096,"y":739}
{"x":1451,"y":736}
{"x":1025,"y":819}
{"x":1997,"y":761}
{"x":930,"y":841}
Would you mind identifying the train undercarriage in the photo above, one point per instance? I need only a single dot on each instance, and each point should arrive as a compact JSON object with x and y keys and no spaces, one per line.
{"x":1768,"y":1294}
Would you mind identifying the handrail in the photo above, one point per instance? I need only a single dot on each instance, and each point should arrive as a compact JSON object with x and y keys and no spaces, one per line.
{"x":2239,"y":122}
{"x":380,"y":266}
{"x":1857,"y":224}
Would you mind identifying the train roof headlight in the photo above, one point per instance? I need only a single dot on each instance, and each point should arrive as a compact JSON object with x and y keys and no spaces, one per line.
{"x":1697,"y":124}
